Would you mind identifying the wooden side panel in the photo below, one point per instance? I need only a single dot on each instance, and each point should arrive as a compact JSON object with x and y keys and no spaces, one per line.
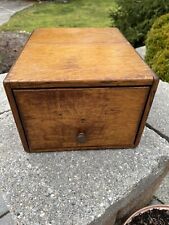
{"x":16,"y":115}
{"x":147,"y":109}
{"x":54,"y":119}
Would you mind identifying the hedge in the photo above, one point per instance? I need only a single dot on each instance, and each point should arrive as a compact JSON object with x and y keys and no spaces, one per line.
{"x":157,"y":43}
{"x":135,"y":17}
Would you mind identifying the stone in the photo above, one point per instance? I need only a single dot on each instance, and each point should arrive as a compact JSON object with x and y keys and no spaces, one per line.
{"x":8,"y":8}
{"x":158,"y":117}
{"x":3,"y":207}
{"x":4,"y":105}
{"x":155,"y":201}
{"x":78,"y":187}
{"x":163,"y":192}
{"x":6,"y":220}
{"x":159,"y":114}
{"x":4,"y":17}
{"x":159,"y":122}
{"x":141,"y":51}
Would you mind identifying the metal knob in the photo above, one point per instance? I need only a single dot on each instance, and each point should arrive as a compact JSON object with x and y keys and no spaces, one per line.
{"x":81,"y":138}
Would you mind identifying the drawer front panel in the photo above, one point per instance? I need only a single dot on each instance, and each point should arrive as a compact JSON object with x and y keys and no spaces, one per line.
{"x":80,"y":117}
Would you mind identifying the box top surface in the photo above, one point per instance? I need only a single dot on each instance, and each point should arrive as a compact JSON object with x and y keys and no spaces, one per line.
{"x":78,"y":57}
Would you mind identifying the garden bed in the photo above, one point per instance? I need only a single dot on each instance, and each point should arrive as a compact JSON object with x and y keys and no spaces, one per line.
{"x":10,"y":46}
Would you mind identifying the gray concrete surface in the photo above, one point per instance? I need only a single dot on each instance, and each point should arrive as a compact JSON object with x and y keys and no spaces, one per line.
{"x":163,"y":192}
{"x":141,"y":51}
{"x":155,"y":201}
{"x":158,"y":120}
{"x":10,"y":7}
{"x":7,"y":220}
{"x":3,"y":207}
{"x":83,"y":188}
{"x":159,"y":115}
{"x":78,"y":188}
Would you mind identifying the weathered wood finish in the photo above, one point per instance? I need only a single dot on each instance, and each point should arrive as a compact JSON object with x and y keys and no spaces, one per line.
{"x":16,"y":115}
{"x":75,"y":88}
{"x":53,"y":118}
{"x":147,"y":109}
{"x":79,"y":57}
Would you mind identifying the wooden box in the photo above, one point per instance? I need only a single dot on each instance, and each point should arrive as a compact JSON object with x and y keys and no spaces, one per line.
{"x":78,"y":88}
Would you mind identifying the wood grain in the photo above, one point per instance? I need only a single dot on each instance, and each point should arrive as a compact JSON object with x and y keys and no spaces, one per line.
{"x":52,"y":118}
{"x":79,"y":88}
{"x":147,"y":109}
{"x":16,"y":115}
{"x":74,"y":57}
{"x":77,"y":35}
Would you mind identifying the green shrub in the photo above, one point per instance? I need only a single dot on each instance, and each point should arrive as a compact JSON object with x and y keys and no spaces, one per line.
{"x":135,"y":17}
{"x":157,"y":43}
{"x":50,"y":0}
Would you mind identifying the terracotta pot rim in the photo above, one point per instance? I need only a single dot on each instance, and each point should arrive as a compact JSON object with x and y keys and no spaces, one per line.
{"x":145,"y":209}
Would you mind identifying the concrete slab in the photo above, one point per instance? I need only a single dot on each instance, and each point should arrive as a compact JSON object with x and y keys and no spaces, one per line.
{"x":163,"y":192}
{"x":10,"y":7}
{"x":141,"y":51}
{"x":4,"y":17}
{"x":158,"y":120}
{"x":159,"y":114}
{"x":4,"y":106}
{"x":6,"y":220}
{"x":155,"y":201}
{"x":14,"y":5}
{"x":4,"y":11}
{"x":84,"y":187}
{"x":79,"y":187}
{"x":3,"y":207}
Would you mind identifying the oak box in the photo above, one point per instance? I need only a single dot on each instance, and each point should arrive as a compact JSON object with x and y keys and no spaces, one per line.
{"x":75,"y":88}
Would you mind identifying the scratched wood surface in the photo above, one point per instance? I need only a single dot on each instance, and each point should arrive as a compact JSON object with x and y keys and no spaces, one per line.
{"x":69,"y":57}
{"x":79,"y":88}
{"x":53,"y":118}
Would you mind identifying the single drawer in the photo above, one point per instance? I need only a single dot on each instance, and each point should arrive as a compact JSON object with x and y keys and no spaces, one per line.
{"x":77,"y":118}
{"x":79,"y":88}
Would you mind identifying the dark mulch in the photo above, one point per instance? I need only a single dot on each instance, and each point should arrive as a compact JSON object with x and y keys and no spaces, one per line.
{"x":10,"y":46}
{"x":151,"y":217}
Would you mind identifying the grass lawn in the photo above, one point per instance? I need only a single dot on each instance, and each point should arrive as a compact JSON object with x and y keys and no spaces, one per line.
{"x":76,"y":13}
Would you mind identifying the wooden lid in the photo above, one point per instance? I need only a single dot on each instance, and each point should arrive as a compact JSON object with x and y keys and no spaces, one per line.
{"x":68,"y":57}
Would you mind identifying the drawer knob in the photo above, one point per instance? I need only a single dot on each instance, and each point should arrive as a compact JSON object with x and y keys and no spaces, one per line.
{"x":81,"y":138}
